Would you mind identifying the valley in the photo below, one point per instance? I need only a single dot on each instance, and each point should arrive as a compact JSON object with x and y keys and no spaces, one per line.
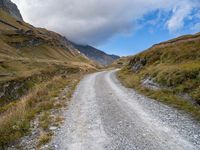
{"x":58,"y":94}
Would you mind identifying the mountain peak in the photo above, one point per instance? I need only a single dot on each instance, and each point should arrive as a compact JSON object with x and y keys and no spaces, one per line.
{"x":96,"y":54}
{"x":11,"y":8}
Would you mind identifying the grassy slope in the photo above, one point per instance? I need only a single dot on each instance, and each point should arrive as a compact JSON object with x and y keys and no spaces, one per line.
{"x":24,"y":54}
{"x":50,"y":46}
{"x":175,"y":66}
{"x":121,"y":62}
{"x":15,"y":118}
{"x":43,"y":62}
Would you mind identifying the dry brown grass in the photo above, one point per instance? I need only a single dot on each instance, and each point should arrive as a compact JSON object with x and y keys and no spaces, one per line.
{"x":44,"y":138}
{"x":175,"y":66}
{"x":19,"y":61}
{"x":15,"y":120}
{"x":131,"y":80}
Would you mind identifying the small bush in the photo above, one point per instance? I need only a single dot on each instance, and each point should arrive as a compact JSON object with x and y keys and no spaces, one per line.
{"x":44,"y":138}
{"x":45,"y":120}
{"x":13,"y":124}
{"x":196,"y":95}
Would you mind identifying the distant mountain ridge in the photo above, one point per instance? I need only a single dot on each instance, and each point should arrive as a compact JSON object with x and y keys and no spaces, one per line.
{"x":89,"y":51}
{"x":11,"y":8}
{"x":96,"y":55}
{"x":36,"y":66}
{"x":27,"y":51}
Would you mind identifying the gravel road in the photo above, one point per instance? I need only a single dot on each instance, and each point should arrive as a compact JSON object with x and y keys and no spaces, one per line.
{"x":104,"y":115}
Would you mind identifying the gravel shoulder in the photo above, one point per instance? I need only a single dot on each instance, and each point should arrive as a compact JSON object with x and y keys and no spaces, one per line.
{"x":105,"y":115}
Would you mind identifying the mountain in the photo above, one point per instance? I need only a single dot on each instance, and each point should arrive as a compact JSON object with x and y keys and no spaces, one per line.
{"x":168,"y":72}
{"x":39,"y":70}
{"x":11,"y":8}
{"x":26,"y":52}
{"x":91,"y":52}
{"x":96,"y":55}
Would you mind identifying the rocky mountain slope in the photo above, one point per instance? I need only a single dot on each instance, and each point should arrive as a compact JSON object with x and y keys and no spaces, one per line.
{"x":36,"y":65}
{"x":169,"y":72}
{"x":97,"y":55}
{"x":91,"y":52}
{"x":26,"y":52}
{"x":11,"y":8}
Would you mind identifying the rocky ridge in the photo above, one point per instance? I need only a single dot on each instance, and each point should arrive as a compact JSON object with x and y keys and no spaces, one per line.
{"x":11,"y":8}
{"x":96,"y":55}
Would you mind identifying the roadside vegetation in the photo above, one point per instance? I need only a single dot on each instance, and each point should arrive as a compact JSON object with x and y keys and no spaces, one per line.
{"x":175,"y":67}
{"x":35,"y":66}
{"x":44,"y":138}
{"x":15,"y":119}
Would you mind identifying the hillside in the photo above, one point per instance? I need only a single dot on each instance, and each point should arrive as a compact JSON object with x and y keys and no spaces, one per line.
{"x":11,"y":8}
{"x":169,"y":72}
{"x":97,"y":55}
{"x":35,"y":66}
{"x":26,"y":50}
{"x":121,"y":62}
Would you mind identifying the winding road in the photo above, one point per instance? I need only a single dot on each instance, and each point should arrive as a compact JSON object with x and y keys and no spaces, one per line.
{"x":104,"y":115}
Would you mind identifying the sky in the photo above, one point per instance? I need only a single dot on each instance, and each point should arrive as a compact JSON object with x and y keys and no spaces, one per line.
{"x":122,"y":27}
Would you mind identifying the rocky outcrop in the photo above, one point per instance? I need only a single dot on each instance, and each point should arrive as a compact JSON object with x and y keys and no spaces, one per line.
{"x":150,"y":84}
{"x":8,"y":24}
{"x":137,"y":64}
{"x":15,"y":89}
{"x":11,"y":8}
{"x":172,"y":67}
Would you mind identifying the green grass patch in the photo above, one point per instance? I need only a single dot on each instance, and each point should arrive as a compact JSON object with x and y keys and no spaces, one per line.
{"x":132,"y":80}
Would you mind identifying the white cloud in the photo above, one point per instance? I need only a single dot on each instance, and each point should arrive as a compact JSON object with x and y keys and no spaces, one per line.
{"x":180,"y":12}
{"x":96,"y":21}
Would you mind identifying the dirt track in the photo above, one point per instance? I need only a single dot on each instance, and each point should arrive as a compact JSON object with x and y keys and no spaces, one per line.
{"x":105,"y":115}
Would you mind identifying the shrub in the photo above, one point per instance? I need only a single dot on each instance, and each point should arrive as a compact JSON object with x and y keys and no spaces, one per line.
{"x":44,"y":138}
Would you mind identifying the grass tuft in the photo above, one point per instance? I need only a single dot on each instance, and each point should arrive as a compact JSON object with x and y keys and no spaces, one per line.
{"x":131,"y":80}
{"x":15,"y":119}
{"x":44,"y":139}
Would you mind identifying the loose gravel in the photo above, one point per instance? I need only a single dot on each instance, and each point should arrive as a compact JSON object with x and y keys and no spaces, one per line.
{"x":105,"y":115}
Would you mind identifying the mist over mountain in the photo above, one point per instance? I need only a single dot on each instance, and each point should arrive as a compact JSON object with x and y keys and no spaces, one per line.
{"x":92,"y":53}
